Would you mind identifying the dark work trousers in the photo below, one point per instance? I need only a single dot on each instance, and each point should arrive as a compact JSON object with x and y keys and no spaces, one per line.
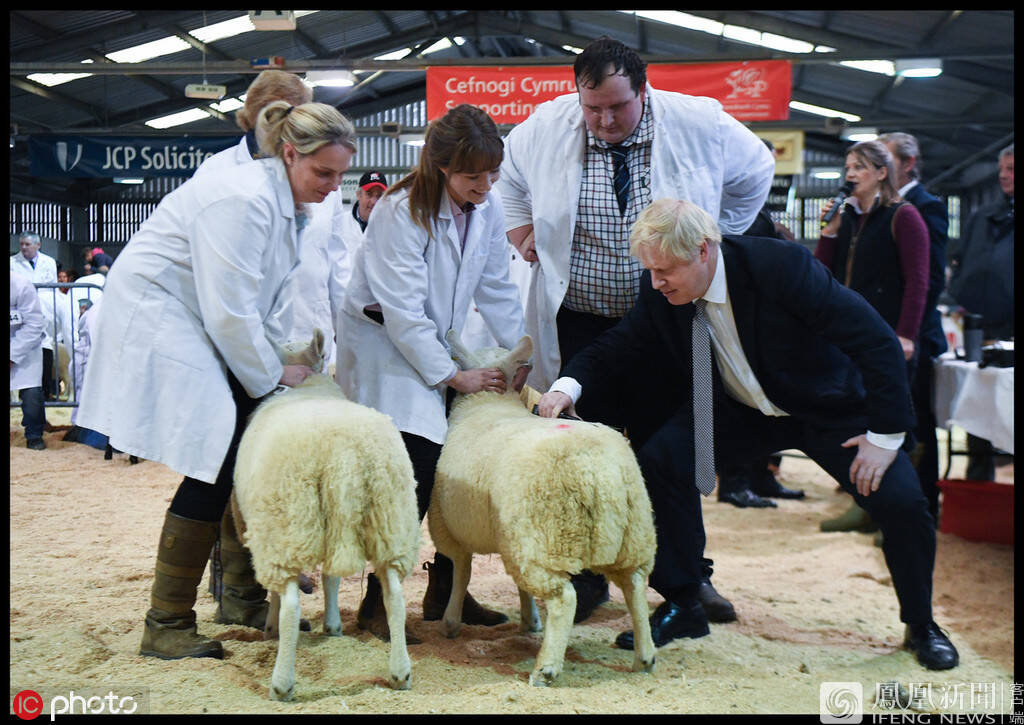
{"x":575,"y":331}
{"x":203,"y":501}
{"x":921,"y":390}
{"x":33,"y":413}
{"x":49,"y":386}
{"x":898,"y":507}
{"x":424,"y":454}
{"x":640,"y":405}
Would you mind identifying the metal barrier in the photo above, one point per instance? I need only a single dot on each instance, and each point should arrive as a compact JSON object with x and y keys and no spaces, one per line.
{"x":52,"y":291}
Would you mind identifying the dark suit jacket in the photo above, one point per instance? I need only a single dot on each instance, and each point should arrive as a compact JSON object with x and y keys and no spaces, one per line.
{"x":819,"y":351}
{"x":933,"y":210}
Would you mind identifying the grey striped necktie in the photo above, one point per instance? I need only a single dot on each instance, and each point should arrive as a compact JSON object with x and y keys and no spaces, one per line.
{"x":620,"y":178}
{"x":703,"y":403}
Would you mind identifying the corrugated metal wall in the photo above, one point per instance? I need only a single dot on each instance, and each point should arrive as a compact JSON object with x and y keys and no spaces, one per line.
{"x":47,"y":220}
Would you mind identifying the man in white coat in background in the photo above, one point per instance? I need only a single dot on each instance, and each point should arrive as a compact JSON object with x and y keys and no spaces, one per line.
{"x":576,"y":174}
{"x":37,"y":267}
{"x":26,"y":357}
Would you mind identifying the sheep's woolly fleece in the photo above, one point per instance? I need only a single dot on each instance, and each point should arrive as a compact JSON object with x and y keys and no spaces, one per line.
{"x":305,"y":502}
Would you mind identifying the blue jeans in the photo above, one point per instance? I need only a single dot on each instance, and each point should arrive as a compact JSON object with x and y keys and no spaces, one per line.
{"x":33,"y":413}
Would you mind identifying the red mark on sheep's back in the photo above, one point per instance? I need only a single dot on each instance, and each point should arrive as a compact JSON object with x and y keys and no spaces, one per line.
{"x":564,"y":426}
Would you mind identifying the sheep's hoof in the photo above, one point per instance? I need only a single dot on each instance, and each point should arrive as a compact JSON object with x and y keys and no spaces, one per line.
{"x":401,"y":683}
{"x":640,"y":666}
{"x":281,"y":694}
{"x":544,"y":677}
{"x":528,"y":626}
{"x":332,"y":630}
{"x":451,"y":629}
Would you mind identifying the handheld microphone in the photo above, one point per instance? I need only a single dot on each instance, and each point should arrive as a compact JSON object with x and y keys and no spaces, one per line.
{"x":844,"y":191}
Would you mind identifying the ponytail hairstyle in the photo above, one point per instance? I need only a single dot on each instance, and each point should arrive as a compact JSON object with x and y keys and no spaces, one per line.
{"x":463,"y":141}
{"x":307,"y":127}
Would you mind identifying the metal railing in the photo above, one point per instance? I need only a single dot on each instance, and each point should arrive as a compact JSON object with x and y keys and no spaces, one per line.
{"x":52,"y":292}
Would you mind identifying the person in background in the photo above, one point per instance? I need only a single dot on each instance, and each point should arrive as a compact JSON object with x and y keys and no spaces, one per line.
{"x":98,"y":260}
{"x":576,"y":174}
{"x":828,"y":378}
{"x":66,"y":275}
{"x":26,"y":357}
{"x":38,"y":267}
{"x":372,"y":186}
{"x":184,"y":351}
{"x":906,"y":154}
{"x":435,"y":242}
{"x":350,"y":232}
{"x":878,"y":246}
{"x":981,"y":282}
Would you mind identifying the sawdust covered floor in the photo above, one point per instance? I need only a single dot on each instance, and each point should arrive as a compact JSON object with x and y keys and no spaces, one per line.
{"x":812,"y":607}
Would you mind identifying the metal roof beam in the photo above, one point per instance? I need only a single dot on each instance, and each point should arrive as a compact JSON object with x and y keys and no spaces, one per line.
{"x":50,"y":95}
{"x":85,"y":40}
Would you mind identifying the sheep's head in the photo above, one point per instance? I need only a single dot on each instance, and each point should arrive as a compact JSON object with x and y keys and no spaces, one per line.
{"x":508,"y":361}
{"x":301,"y":353}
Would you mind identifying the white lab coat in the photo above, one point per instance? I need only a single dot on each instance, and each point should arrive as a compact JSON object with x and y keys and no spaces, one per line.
{"x":44,"y":271}
{"x":82,"y":348}
{"x":699,"y":153}
{"x":26,"y":328}
{"x":324,"y":269}
{"x":203,"y":286}
{"x":76,"y":295}
{"x":424,"y":288}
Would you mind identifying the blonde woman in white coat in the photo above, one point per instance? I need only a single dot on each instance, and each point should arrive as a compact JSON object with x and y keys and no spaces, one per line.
{"x":183,"y":350}
{"x":435,"y":242}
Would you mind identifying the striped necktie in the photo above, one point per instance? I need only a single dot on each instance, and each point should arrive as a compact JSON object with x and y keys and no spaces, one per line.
{"x":620,"y":178}
{"x":703,"y":403}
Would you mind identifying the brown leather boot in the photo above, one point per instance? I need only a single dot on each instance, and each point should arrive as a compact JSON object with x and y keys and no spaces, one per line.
{"x":242,"y":599}
{"x":170,"y":631}
{"x":439,"y":589}
{"x":373,"y":615}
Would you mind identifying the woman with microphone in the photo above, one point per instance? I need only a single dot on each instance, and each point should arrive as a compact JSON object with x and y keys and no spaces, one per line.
{"x":877,"y":245}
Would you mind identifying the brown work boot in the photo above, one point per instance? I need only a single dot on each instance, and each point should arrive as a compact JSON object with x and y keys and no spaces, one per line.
{"x":439,"y":589}
{"x":170,"y":631}
{"x":242,"y":599}
{"x":373,"y":615}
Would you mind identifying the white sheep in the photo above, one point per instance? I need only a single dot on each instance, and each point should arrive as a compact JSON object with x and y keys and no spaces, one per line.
{"x":322,"y":480}
{"x":552,"y":496}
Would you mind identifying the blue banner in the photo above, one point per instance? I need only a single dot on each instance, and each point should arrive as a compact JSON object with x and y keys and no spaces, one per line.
{"x":110,"y":156}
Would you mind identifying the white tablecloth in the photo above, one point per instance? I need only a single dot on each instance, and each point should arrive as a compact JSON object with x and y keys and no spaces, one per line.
{"x":978,"y":400}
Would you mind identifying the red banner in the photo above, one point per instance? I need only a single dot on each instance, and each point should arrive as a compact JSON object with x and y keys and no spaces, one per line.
{"x":750,"y":91}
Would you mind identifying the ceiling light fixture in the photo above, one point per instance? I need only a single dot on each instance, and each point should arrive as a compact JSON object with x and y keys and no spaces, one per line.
{"x":858,"y":133}
{"x":332,"y":78}
{"x":918,"y":67}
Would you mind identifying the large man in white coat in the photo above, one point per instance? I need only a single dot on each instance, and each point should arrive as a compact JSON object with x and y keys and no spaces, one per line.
{"x":575,"y":176}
